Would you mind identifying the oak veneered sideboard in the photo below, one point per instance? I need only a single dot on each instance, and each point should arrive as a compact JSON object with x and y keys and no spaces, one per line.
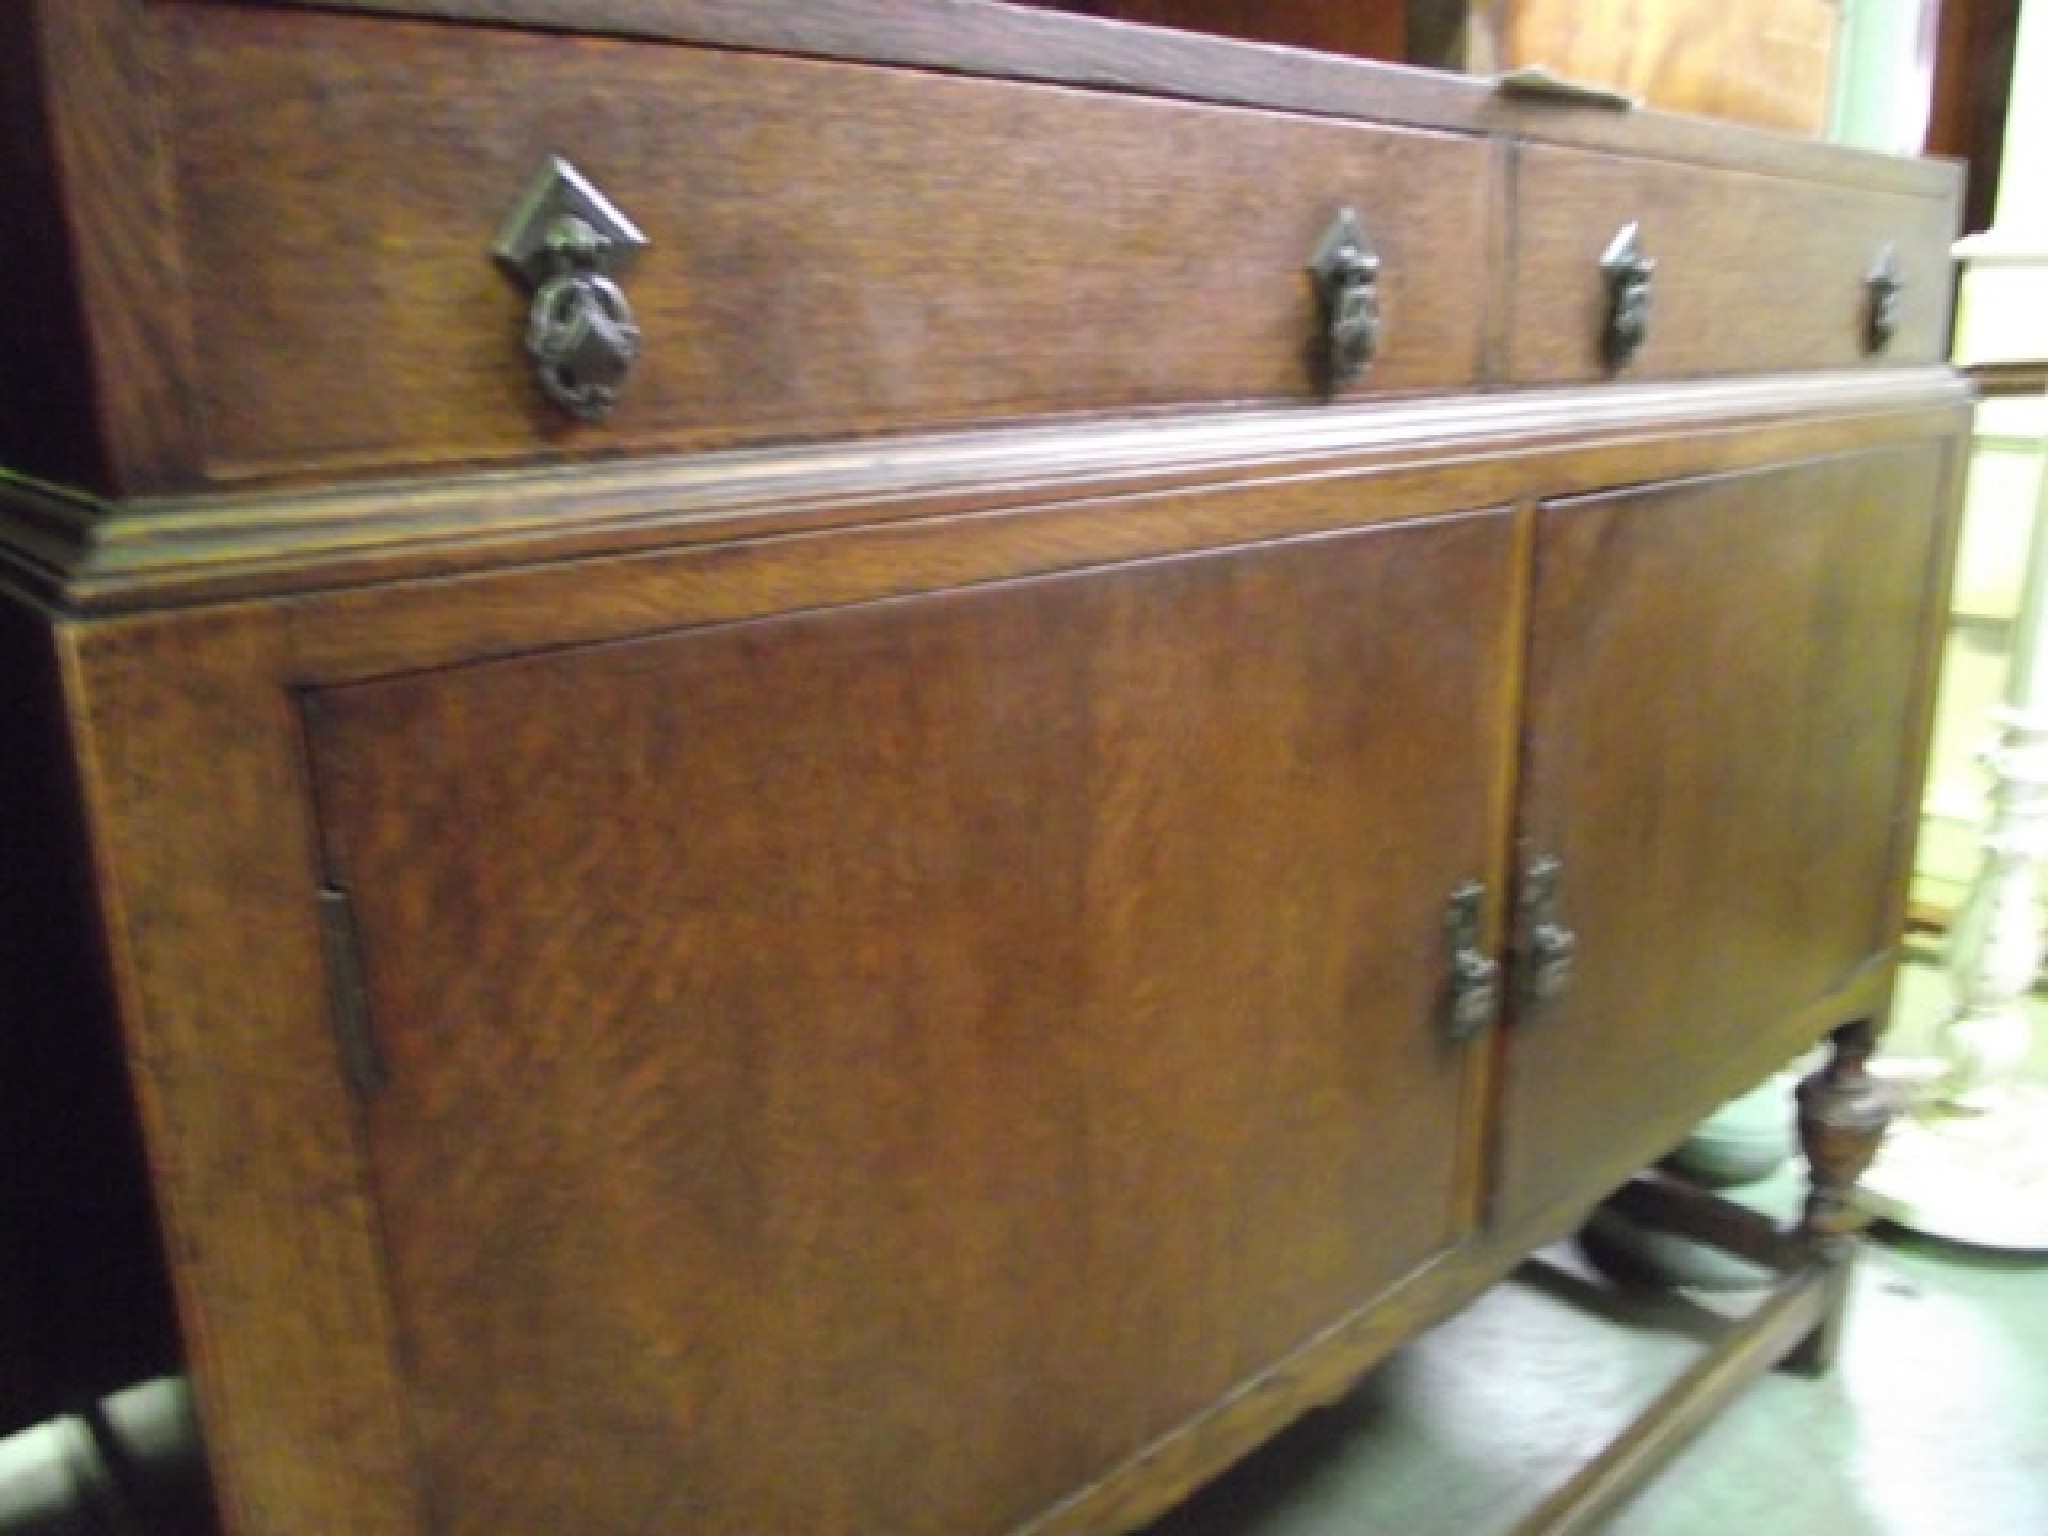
{"x":882,"y":769}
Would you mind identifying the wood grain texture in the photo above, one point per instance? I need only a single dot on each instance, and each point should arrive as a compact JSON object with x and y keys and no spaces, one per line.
{"x":380,"y":629}
{"x":978,"y":37}
{"x":91,"y":170}
{"x":190,"y":750}
{"x":1753,"y":272}
{"x":806,"y":889}
{"x":823,"y":261}
{"x":974,"y":1034}
{"x":119,"y":233}
{"x":89,"y":167}
{"x":1721,"y":676}
{"x":1491,"y":449}
{"x":1765,"y":62}
{"x":1359,"y":29}
{"x":186,"y":857}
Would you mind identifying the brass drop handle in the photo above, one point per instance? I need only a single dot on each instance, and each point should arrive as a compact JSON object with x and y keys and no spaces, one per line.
{"x":1886,"y":281}
{"x":1346,"y":268}
{"x":582,"y":333}
{"x":1472,"y":990}
{"x":1549,"y":949}
{"x":1627,"y":271}
{"x":567,"y":242}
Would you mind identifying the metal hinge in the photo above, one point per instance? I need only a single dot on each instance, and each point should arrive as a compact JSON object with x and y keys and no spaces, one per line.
{"x":349,"y":994}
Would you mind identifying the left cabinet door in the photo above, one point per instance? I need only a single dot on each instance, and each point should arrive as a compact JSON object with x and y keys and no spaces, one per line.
{"x":876,"y":1069}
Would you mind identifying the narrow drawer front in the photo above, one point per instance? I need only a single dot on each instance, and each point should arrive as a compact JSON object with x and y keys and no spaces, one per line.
{"x":1753,"y":273}
{"x":832,"y":248}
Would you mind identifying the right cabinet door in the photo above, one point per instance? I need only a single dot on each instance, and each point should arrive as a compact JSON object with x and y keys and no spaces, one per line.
{"x":1724,"y":676}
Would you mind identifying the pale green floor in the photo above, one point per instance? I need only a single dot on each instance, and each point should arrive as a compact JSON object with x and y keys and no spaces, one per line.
{"x":1935,"y":1422}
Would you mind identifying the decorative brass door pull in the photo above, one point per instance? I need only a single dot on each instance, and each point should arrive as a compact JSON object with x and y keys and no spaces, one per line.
{"x":1628,"y":272}
{"x":1549,"y":948}
{"x":1887,"y":283}
{"x":1346,"y":267}
{"x":1472,"y":995}
{"x":567,"y":242}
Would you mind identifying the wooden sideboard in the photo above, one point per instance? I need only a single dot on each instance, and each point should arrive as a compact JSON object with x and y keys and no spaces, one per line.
{"x":1039,"y":835}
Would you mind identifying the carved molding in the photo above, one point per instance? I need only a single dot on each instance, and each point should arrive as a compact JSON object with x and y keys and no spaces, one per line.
{"x":90,"y":556}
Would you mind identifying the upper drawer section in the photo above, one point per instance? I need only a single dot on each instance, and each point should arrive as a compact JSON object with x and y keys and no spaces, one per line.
{"x":833,"y":248}
{"x":1752,"y":273}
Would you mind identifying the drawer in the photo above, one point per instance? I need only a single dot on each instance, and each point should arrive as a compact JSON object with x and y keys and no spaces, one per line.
{"x":1753,"y":273}
{"x":833,"y":248}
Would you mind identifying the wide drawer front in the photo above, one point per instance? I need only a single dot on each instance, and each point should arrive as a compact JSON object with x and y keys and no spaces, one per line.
{"x":831,"y":248}
{"x":1751,"y":272}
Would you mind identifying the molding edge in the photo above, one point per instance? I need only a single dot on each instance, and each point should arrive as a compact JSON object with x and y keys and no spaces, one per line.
{"x":87,"y":556}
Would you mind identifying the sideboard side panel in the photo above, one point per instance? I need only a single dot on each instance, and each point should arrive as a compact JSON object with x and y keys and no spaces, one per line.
{"x":192,"y":763}
{"x":84,"y":1309}
{"x":108,"y":402}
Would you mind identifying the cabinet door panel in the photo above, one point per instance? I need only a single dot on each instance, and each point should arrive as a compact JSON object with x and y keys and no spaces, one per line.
{"x":874,"y":1070}
{"x":1722,"y":683}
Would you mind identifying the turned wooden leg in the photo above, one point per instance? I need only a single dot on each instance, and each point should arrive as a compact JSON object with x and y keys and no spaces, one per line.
{"x":1843,"y":1112}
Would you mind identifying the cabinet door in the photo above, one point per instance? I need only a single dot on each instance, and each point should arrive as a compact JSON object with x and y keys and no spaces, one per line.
{"x":1723,"y":682}
{"x":874,"y":1070}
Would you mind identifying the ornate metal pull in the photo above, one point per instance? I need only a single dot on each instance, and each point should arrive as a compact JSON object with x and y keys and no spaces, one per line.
{"x":1887,"y":283}
{"x":1549,"y":948}
{"x":1472,"y":994}
{"x":1628,"y":272}
{"x":1347,"y":275}
{"x":567,"y":242}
